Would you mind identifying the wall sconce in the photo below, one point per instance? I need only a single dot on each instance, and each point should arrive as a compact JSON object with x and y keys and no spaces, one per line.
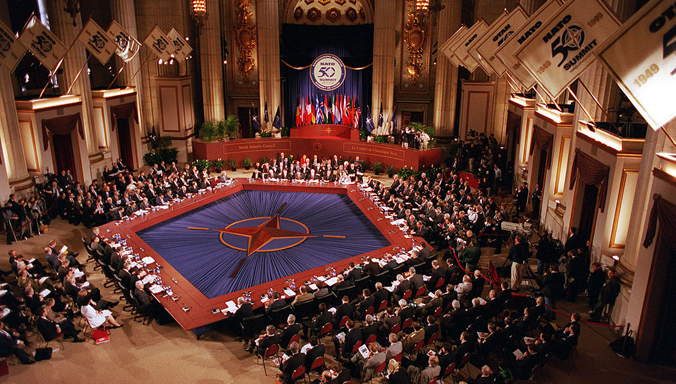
{"x":72,"y":8}
{"x":199,"y":12}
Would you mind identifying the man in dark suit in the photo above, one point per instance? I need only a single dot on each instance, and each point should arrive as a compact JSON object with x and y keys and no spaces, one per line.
{"x":438,"y":273}
{"x":465,"y":346}
{"x":315,"y":350}
{"x":244,"y":310}
{"x":264,"y":341}
{"x":290,"y":331}
{"x":344,"y":309}
{"x":324,"y":317}
{"x":353,"y":273}
{"x":295,"y":361}
{"x":367,"y":300}
{"x":10,"y":344}
{"x":416,"y":279}
{"x":403,"y":285}
{"x":342,"y":283}
{"x":275,"y":304}
{"x":50,"y":329}
{"x":352,"y":336}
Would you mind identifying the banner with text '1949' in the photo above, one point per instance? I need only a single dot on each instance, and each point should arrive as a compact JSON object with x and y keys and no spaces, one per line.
{"x":477,"y":30}
{"x":642,"y":57}
{"x":564,"y":46}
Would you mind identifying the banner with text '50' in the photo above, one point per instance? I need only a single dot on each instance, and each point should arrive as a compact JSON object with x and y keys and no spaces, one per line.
{"x":564,"y":46}
{"x":498,"y":35}
{"x":97,"y":41}
{"x":11,"y":50}
{"x":446,"y":48}
{"x":160,"y":44}
{"x":42,"y":43}
{"x":180,"y":45}
{"x":472,"y":49}
{"x":506,"y":51}
{"x":642,"y":57}
{"x":477,"y":30}
{"x":127,"y":45}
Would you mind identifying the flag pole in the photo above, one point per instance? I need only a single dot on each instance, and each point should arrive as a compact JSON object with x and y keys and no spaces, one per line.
{"x":578,"y":101}
{"x":78,"y":73}
{"x":58,"y":65}
{"x":510,"y":80}
{"x":118,"y":74}
{"x":137,"y":71}
{"x":668,"y":136}
{"x":597,"y":103}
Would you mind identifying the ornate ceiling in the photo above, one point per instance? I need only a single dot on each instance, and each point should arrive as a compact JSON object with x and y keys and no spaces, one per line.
{"x":328,"y":12}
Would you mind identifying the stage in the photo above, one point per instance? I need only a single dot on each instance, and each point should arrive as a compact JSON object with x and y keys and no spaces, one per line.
{"x":323,"y":140}
{"x":207,"y":261}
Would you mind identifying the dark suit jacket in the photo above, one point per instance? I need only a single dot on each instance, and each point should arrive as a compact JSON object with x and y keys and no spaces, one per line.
{"x":353,"y":275}
{"x":243,"y":312}
{"x":290,"y":365}
{"x":47,"y":328}
{"x":416,"y":282}
{"x":266,"y":342}
{"x":351,"y":338}
{"x":286,"y":335}
{"x":275,"y":305}
{"x":342,"y":311}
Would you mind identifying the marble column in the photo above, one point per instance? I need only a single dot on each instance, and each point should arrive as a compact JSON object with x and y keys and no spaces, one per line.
{"x":212,"y":64}
{"x":13,"y":159}
{"x":61,"y":24}
{"x":267,"y":21}
{"x":383,"y":57}
{"x":446,"y":80}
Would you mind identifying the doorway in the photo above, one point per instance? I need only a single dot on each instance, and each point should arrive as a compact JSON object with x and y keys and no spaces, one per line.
{"x":245,"y":125}
{"x":125,"y":142}
{"x":664,"y":349}
{"x":64,"y":159}
{"x":588,"y":207}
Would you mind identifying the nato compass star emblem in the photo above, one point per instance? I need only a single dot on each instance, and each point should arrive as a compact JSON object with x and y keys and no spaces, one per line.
{"x":263,"y":234}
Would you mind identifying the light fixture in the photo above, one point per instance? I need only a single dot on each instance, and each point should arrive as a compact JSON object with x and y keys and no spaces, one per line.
{"x":72,"y":8}
{"x":199,"y":12}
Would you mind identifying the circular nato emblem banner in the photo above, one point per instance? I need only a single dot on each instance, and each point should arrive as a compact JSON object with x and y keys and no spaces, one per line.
{"x":327,"y":72}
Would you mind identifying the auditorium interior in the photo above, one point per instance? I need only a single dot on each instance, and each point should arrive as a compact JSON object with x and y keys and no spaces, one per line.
{"x":246,"y":90}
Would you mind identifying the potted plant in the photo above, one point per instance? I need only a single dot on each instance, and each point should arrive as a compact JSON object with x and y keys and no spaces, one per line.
{"x":391,"y":171}
{"x":246,"y":163}
{"x":264,"y":160}
{"x":202,"y":164}
{"x":232,"y":163}
{"x":377,"y":167}
{"x":266,"y":134}
{"x":218,"y":165}
{"x":231,"y":123}
{"x":208,"y":132}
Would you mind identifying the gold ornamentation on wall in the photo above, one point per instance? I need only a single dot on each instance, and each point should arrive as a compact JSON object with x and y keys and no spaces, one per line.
{"x":415,"y":39}
{"x":245,"y":37}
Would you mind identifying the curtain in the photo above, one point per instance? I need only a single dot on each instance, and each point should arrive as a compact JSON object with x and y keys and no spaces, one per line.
{"x":63,"y":125}
{"x":352,"y":44}
{"x":591,"y":172}
{"x":543,"y":140}
{"x":123,"y":111}
{"x":665,"y":212}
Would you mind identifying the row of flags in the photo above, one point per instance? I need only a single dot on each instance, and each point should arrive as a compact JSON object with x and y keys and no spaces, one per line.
{"x":324,"y":109}
{"x":392,"y":121}
{"x":556,"y":44}
{"x":276,"y":121}
{"x":102,"y":44}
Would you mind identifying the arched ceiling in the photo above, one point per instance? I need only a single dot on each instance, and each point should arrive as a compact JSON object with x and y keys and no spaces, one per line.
{"x":328,"y":12}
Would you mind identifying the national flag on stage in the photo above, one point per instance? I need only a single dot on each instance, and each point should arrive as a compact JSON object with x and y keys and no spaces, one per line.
{"x":380,"y":117}
{"x":299,"y":116}
{"x":159,"y":44}
{"x":255,"y":121}
{"x":42,"y":43}
{"x":154,"y":142}
{"x":266,"y":118}
{"x":313,"y":111}
{"x":560,"y":50}
{"x":97,"y":41}
{"x":11,"y":50}
{"x":334,"y":110}
{"x":308,"y":110}
{"x":321,"y":108}
{"x":394,"y":122}
{"x":346,"y":110}
{"x":127,"y":45}
{"x":277,"y":120}
{"x":357,"y":115}
{"x":325,"y":109}
{"x":180,"y":45}
{"x":339,"y":112}
{"x":350,"y":112}
{"x":318,"y":111}
{"x":369,"y":120}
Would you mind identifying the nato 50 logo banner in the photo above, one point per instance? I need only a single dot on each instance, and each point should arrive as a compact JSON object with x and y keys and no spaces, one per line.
{"x":506,"y":51}
{"x":42,"y":43}
{"x":461,"y":47}
{"x":472,"y":49}
{"x":327,"y":72}
{"x":498,"y":35}
{"x":11,"y":51}
{"x":564,"y":46}
{"x":181,"y":46}
{"x":127,"y":45}
{"x":446,"y":48}
{"x":642,"y":57}
{"x":159,"y":44}
{"x":97,"y":41}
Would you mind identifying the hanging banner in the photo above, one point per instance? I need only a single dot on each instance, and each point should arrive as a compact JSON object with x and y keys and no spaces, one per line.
{"x":42,"y":43}
{"x":505,"y":52}
{"x":180,"y":45}
{"x":97,"y":41}
{"x":472,"y":50}
{"x":159,"y":44}
{"x":564,"y":46}
{"x":642,"y":57}
{"x":327,"y":72}
{"x":477,"y":30}
{"x":498,"y":35}
{"x":11,"y":50}
{"x":446,"y":47}
{"x":127,"y":45}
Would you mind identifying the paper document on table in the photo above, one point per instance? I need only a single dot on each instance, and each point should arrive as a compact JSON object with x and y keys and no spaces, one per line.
{"x":156,"y":288}
{"x":313,"y":287}
{"x":230,"y":306}
{"x":148,"y":260}
{"x":44,"y":293}
{"x":288,"y":292}
{"x":332,"y":281}
{"x":148,"y":279}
